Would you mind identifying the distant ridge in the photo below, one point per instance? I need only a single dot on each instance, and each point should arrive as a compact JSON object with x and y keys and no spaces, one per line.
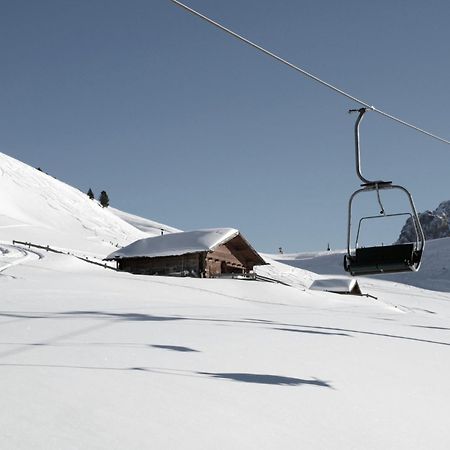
{"x":435,"y":224}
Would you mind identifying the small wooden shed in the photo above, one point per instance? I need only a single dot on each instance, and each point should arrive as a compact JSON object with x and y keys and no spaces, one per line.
{"x":206,"y":253}
{"x":345,"y":285}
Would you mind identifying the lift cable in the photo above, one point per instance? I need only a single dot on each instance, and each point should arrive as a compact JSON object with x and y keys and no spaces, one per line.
{"x":307,"y":74}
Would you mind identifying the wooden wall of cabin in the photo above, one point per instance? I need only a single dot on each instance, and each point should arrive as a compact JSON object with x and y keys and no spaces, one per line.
{"x":222,"y":261}
{"x":185,"y":265}
{"x":209,"y":265}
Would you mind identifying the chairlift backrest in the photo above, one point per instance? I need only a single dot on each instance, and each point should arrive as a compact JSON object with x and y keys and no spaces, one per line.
{"x":383,"y":216}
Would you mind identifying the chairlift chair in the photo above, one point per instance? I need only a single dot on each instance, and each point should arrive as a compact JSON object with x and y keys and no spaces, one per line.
{"x":385,"y":258}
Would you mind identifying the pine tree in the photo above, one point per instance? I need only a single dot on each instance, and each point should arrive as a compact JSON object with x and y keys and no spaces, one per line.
{"x":104,"y":199}
{"x":90,"y":194}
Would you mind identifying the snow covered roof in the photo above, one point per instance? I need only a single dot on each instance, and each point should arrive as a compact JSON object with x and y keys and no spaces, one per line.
{"x":336,"y":285}
{"x":176,"y":244}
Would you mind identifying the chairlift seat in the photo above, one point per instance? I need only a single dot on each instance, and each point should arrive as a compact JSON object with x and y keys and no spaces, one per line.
{"x":384,"y":259}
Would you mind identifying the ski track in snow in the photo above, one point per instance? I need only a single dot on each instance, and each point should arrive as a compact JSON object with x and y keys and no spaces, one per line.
{"x":14,"y":255}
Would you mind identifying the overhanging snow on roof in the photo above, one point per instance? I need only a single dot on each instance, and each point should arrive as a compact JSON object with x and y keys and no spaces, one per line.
{"x":176,"y":244}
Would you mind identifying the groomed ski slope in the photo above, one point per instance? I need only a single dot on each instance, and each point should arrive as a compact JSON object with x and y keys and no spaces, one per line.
{"x":95,"y":359}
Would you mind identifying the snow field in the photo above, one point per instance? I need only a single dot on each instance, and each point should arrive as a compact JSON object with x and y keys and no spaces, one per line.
{"x":95,"y":359}
{"x":98,"y":359}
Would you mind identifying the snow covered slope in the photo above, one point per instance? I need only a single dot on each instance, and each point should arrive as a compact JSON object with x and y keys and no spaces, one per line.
{"x":434,"y":272}
{"x":39,"y":208}
{"x":96,"y":359}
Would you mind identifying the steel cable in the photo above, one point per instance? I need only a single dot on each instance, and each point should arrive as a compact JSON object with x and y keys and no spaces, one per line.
{"x":307,"y":74}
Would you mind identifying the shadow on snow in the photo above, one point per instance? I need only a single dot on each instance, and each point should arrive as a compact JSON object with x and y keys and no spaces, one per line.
{"x":139,"y":317}
{"x":267,"y":379}
{"x":176,"y":348}
{"x":254,"y":378}
{"x":312,"y":332}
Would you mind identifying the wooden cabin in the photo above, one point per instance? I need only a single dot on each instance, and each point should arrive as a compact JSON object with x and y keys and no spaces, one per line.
{"x":202,"y":253}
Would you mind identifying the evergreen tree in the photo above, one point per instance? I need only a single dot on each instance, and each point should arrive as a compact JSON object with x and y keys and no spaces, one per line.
{"x":104,"y":199}
{"x":90,"y":194}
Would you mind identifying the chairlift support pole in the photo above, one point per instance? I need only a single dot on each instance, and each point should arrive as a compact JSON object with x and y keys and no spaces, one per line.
{"x":361,"y":111}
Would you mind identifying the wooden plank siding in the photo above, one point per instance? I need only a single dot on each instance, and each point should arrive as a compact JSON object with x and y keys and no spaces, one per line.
{"x":221,"y":260}
{"x":184,"y":265}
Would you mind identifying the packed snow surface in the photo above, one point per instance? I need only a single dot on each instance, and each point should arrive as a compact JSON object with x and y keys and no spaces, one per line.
{"x":91,"y":358}
{"x":180,"y":243}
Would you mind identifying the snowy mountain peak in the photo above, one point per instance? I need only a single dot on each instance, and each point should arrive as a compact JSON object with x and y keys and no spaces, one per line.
{"x":435,"y":224}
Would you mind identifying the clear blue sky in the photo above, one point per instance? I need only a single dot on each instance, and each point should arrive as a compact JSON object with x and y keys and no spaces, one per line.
{"x":181,"y":123}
